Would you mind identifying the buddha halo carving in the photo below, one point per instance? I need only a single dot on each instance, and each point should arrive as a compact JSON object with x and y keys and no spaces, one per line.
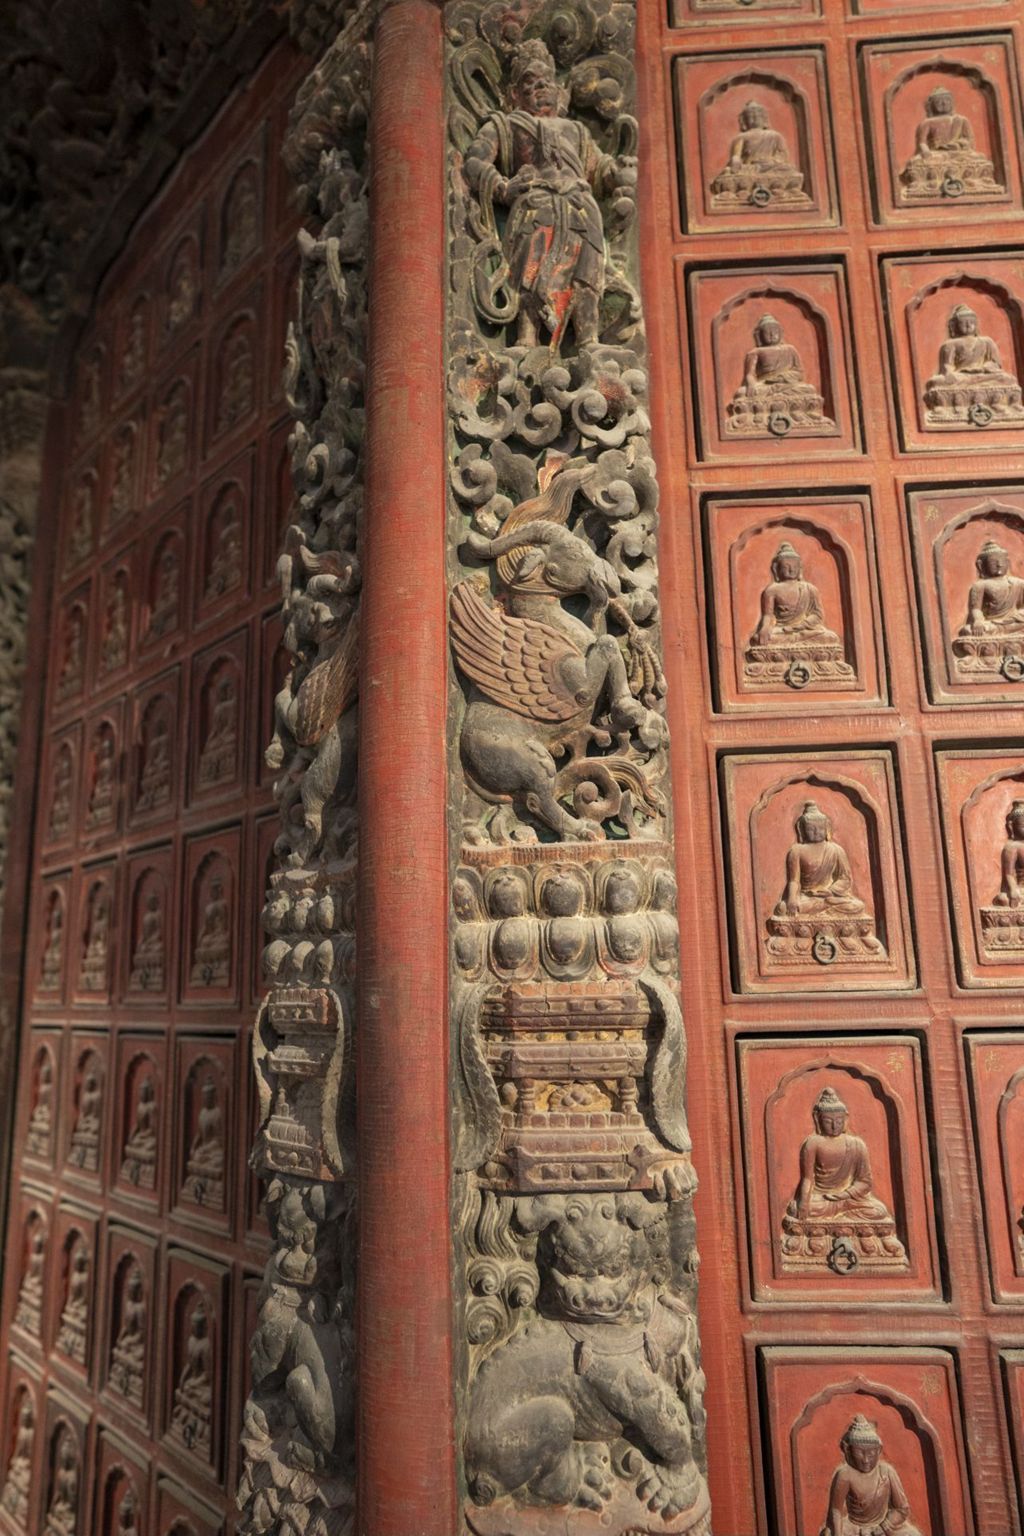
{"x":835,"y":1219}
{"x":575,"y":1260}
{"x":298,"y":1424}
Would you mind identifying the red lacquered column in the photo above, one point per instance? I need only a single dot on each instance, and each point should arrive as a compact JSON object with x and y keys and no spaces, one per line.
{"x":406,"y":1481}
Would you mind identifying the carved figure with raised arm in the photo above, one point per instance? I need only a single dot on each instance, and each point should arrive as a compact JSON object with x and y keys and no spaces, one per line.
{"x":548,"y":171}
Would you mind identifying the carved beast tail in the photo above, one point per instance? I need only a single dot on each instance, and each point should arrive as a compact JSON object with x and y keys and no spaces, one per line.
{"x":608,"y":786}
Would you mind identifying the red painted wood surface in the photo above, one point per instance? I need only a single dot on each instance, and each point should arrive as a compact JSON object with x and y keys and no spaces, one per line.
{"x":929,"y":1050}
{"x":405,"y":1436}
{"x":186,"y":542}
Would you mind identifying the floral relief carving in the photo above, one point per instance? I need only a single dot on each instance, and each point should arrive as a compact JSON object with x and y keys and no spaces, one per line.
{"x":574,"y":1184}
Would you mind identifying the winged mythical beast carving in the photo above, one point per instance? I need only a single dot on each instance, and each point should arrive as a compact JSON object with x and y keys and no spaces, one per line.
{"x":551,"y":685}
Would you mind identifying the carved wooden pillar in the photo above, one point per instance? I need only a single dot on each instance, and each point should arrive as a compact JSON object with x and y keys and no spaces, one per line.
{"x":406,"y":1480}
{"x":580,"y":1388}
{"x":507,"y":1094}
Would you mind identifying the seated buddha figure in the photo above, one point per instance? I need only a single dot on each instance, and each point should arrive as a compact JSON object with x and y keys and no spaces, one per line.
{"x":866,"y":1497}
{"x":775,"y":396}
{"x":835,"y":1197}
{"x":1002,"y":922}
{"x":760,"y":171}
{"x":945,"y":162}
{"x":971,"y":386}
{"x":818,"y":876}
{"x":995,"y":603}
{"x":1011,"y":887}
{"x":792,"y":628}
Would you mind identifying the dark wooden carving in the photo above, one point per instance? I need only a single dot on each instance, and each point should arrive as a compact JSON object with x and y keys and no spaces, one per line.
{"x":297,"y":1445}
{"x":574,"y":1178}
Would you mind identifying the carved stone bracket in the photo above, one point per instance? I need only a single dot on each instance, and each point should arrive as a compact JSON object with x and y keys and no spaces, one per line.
{"x":573,"y":1192}
{"x":298,"y":1426}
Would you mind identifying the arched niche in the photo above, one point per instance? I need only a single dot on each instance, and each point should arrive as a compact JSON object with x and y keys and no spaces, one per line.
{"x":1000,"y":317}
{"x":911,"y":1444}
{"x":974,"y":97}
{"x":955,"y":553}
{"x":789,"y":113}
{"x":875,"y":1115}
{"x":828,"y":562}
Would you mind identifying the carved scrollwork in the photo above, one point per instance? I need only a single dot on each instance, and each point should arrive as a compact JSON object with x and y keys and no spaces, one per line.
{"x":573,"y":1191}
{"x":298,"y":1424}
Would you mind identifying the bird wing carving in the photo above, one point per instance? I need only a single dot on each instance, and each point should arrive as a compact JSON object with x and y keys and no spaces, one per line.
{"x":515,"y":662}
{"x":328,"y":689}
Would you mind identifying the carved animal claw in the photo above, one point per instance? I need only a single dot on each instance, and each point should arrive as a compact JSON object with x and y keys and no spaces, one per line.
{"x":667,"y":1491}
{"x":596,"y":1487}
